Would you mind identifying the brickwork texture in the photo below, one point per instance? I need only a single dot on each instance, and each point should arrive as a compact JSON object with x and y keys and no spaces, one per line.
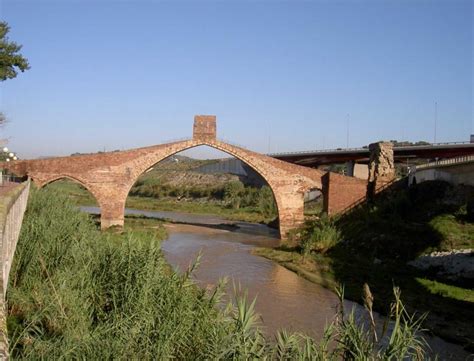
{"x":110,"y":176}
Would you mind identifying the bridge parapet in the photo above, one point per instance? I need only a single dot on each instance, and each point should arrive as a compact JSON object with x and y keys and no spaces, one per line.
{"x":444,"y":163}
{"x":458,"y":170}
{"x":12,"y":208}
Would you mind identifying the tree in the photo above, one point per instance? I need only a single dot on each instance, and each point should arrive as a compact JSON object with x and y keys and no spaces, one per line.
{"x":233,"y":194}
{"x":10,"y":60}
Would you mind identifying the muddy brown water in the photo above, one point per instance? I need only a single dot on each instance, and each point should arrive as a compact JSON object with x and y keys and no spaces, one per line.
{"x":283,"y":299}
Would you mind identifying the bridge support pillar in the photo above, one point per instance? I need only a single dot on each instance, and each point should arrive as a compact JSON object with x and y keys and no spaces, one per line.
{"x":350,"y":168}
{"x":357,"y":170}
{"x":381,"y":167}
{"x":112,"y":214}
{"x":291,"y":214}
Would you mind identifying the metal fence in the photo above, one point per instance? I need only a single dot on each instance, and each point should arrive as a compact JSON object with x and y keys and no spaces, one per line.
{"x":445,"y":162}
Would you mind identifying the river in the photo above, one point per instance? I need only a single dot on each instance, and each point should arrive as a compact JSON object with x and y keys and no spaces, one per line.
{"x":283,"y":299}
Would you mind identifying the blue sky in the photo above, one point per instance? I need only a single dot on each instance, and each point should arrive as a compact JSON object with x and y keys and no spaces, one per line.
{"x":279,"y":75}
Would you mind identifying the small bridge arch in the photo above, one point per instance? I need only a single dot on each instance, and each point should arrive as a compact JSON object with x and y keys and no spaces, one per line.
{"x":44,"y":182}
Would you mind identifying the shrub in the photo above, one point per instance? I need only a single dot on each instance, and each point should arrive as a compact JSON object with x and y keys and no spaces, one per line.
{"x":250,"y":197}
{"x":233,"y":194}
{"x":319,"y":236}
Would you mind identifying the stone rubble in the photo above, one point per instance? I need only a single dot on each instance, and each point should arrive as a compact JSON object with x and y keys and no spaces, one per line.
{"x":453,"y":264}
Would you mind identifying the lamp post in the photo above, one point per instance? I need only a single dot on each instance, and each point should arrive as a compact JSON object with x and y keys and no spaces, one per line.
{"x":9,"y":156}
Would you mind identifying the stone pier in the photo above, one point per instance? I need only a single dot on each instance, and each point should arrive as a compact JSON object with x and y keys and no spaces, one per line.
{"x":381,"y":167}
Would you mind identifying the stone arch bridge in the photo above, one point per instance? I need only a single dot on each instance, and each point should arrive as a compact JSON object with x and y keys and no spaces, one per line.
{"x":109,"y":176}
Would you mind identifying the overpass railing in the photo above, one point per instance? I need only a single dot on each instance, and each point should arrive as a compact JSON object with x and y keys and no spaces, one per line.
{"x":444,"y":162}
{"x":302,"y":152}
{"x":366,"y":148}
{"x":443,"y":143}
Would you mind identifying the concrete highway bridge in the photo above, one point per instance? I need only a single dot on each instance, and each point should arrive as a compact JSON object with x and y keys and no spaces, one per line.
{"x":315,"y":158}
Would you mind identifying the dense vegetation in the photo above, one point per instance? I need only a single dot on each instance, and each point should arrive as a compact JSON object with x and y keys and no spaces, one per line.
{"x":177,"y":188}
{"x":179,"y":181}
{"x":76,"y":293}
{"x":319,"y":236}
{"x":232,"y":194}
{"x":405,"y":223}
{"x":374,"y":242}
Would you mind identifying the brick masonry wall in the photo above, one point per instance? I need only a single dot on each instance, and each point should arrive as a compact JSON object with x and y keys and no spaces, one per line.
{"x":340,"y":192}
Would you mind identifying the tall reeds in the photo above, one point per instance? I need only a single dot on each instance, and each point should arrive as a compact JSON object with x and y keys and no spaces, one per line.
{"x":77,"y":293}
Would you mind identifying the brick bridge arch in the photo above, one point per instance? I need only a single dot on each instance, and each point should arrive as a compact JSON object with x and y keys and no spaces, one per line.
{"x":71,"y":178}
{"x":288,"y":188}
{"x":109,"y":176}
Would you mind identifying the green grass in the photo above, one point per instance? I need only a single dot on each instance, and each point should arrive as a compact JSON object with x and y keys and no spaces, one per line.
{"x":448,"y":291}
{"x":7,"y":199}
{"x":313,"y":208}
{"x":246,"y":214}
{"x":455,"y":232}
{"x":77,"y":194}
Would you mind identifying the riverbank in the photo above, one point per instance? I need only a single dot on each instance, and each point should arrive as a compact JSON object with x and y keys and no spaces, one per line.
{"x":375,"y":255}
{"x":80,"y":293}
{"x":377,"y":245}
{"x":448,"y":317}
{"x":77,"y":292}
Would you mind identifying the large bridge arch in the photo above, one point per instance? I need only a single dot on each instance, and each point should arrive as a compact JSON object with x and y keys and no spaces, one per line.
{"x":238,"y":153}
{"x":288,"y":188}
